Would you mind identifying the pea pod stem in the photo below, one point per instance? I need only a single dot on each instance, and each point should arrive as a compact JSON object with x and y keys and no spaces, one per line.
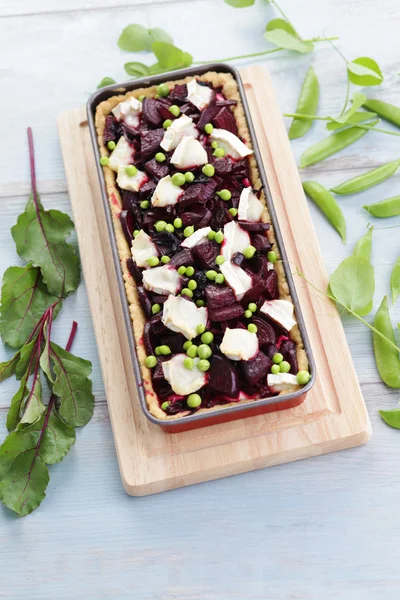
{"x":368,"y":127}
{"x":315,"y":40}
{"x":389,"y":342}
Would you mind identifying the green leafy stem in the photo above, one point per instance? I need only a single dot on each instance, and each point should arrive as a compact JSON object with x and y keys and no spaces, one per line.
{"x":307,"y":117}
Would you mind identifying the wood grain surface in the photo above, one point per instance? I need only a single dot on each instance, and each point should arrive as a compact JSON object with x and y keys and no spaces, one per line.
{"x":321,"y":529}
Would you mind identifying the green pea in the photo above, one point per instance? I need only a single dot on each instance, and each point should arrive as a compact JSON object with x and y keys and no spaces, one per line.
{"x":178,"y":223}
{"x":332,"y":144}
{"x":158,"y":351}
{"x":385,"y":208}
{"x":303,"y":377}
{"x":188,"y":231}
{"x":187,"y":344}
{"x":219,"y":152}
{"x":169,"y":228}
{"x":249,"y":252}
{"x":307,"y":104}
{"x":225,"y":195}
{"x":211,"y":274}
{"x":155,"y":309}
{"x":175,"y":110}
{"x":220,"y":260}
{"x":204,"y":351}
{"x":200,"y":303}
{"x":219,"y":278}
{"x":192,"y":351}
{"x":165,"y":260}
{"x":165,"y":405}
{"x":207,"y":337}
{"x":284,"y":367}
{"x":152,"y":261}
{"x":150,"y":362}
{"x":208,"y":128}
{"x":271,"y":256}
{"x":104,"y":160}
{"x":141,"y":97}
{"x":252,"y":328}
{"x":327,"y":203}
{"x":182,"y":270}
{"x":192,"y":285}
{"x":200,"y":328}
{"x":165,"y":350}
{"x":248,"y":314}
{"x":208,"y":170}
{"x":387,"y":111}
{"x":219,"y":237}
{"x":367,"y":180}
{"x":193,"y":401}
{"x":188,"y":363}
{"x":275,"y":369}
{"x":214,"y":144}
{"x":189,"y":176}
{"x":144,"y":204}
{"x":167,"y":123}
{"x":233,"y":211}
{"x":189,"y":271}
{"x":211,"y":235}
{"x":160,"y":157}
{"x":203,"y":365}
{"x":387,"y":358}
{"x":253,"y":307}
{"x":131,"y":170}
{"x":136,"y":232}
{"x":163,"y":90}
{"x":277,"y":358}
{"x":178,"y":179}
{"x":187,"y":292}
{"x":160,"y":226}
{"x":111,"y":145}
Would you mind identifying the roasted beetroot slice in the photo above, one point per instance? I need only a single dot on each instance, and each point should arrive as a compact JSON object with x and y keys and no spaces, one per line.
{"x":240,"y":168}
{"x":254,"y":294}
{"x":157,"y":326}
{"x":177,"y":406}
{"x":271,"y":285}
{"x":126,"y":221}
{"x":159,"y":298}
{"x":219,"y":216}
{"x":207,"y":116}
{"x":223,"y":377}
{"x":271,"y":349}
{"x":192,"y":216}
{"x":144,"y":301}
{"x":147,"y":189}
{"x":218,"y":296}
{"x":256,"y":227}
{"x":129,"y":199}
{"x":260,"y":242}
{"x":150,"y":142}
{"x":260,"y":264}
{"x":224,"y":119}
{"x":238,"y":259}
{"x":175,"y":341}
{"x":226,"y":313}
{"x":182,"y":258}
{"x":205,"y":254}
{"x":156,"y":169}
{"x":265,"y":333}
{"x":166,"y":242}
{"x":179,"y":93}
{"x":205,"y":220}
{"x":255,"y":369}
{"x":288,"y":350}
{"x":163,"y":105}
{"x":134,"y":270}
{"x":222,"y":166}
{"x":198,"y":192}
{"x":150,"y":112}
{"x":223,"y":102}
{"x":112,"y":130}
{"x":149,"y":346}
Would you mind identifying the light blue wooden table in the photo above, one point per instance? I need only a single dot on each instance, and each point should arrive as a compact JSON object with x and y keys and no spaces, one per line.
{"x":321,"y":529}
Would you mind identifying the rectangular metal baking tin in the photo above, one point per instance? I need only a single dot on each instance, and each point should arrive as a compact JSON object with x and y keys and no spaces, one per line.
{"x":234,"y":412}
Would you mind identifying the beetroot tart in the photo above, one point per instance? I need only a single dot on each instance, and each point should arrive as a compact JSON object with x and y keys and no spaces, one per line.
{"x":213,"y":318}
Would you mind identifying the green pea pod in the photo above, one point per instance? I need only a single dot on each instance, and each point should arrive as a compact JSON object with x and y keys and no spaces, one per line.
{"x":328,"y":205}
{"x":387,"y":111}
{"x":332,"y":144}
{"x":385,"y":208}
{"x":387,"y":358}
{"x":395,"y":280}
{"x":367,"y":180}
{"x":363,"y":247}
{"x":307,"y":104}
{"x":391,"y":417}
{"x":357,"y":117}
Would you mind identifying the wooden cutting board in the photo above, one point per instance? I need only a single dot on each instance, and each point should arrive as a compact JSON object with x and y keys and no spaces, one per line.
{"x":334,"y":415}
